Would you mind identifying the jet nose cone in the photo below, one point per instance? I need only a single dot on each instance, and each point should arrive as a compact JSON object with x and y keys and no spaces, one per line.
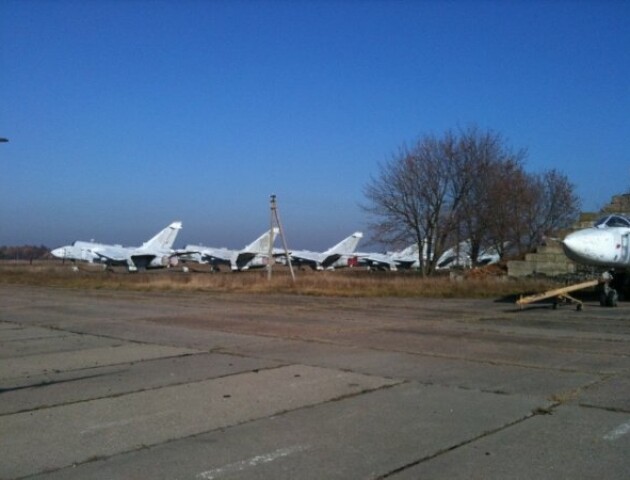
{"x":59,"y":252}
{"x":591,"y":246}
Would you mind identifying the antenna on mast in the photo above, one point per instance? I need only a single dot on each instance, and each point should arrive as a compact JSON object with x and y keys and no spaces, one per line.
{"x":275,"y":221}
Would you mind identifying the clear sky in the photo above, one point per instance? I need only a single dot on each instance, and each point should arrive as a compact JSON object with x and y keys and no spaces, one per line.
{"x":123,"y":116}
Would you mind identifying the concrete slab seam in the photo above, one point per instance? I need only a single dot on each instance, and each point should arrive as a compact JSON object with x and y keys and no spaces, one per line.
{"x":122,"y":394}
{"x":98,"y":458}
{"x":534,"y":413}
{"x":605,"y":409}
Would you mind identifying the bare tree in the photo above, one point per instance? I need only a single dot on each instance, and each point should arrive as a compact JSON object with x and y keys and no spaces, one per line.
{"x":509,"y":192}
{"x":468,"y":186}
{"x":414,"y":197}
{"x":489,"y":167}
{"x":550,"y":205}
{"x":395,"y":204}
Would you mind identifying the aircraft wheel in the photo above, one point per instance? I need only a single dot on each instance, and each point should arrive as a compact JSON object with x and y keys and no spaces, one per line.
{"x":603,"y":298}
{"x":612,"y":298}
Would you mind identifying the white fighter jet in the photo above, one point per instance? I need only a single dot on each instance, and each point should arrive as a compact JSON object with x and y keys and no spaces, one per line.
{"x":603,"y":245}
{"x":253,"y":255}
{"x":330,"y":258}
{"x":155,"y":253}
{"x":459,"y":256}
{"x":407,"y":258}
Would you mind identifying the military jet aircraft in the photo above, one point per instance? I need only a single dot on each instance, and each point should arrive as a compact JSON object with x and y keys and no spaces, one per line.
{"x":331,"y":257}
{"x":155,"y":253}
{"x":407,"y":258}
{"x":603,"y":245}
{"x":253,"y":255}
{"x":606,"y":245}
{"x":460,"y":256}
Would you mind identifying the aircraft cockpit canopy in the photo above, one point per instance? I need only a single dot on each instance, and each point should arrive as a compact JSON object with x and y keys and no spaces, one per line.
{"x":613,"y":221}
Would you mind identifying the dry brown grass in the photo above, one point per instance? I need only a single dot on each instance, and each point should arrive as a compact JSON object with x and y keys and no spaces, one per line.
{"x":345,"y":283}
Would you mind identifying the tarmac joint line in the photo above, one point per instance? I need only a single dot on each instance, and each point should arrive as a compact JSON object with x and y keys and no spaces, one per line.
{"x":548,"y":410}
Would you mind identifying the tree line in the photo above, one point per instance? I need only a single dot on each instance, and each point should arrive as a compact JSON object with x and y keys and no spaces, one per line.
{"x":24,"y":252}
{"x":466,"y":185}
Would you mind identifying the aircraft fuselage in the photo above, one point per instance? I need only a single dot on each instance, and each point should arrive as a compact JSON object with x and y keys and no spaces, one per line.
{"x":601,"y":246}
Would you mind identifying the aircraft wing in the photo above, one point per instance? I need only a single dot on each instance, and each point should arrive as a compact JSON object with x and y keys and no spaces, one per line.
{"x":218,"y":254}
{"x":183,"y":252}
{"x":405,"y":263}
{"x":112,"y":253}
{"x":330,"y":259}
{"x":305,"y":256}
{"x":377,"y":260}
{"x":243,"y":258}
{"x":201,"y":254}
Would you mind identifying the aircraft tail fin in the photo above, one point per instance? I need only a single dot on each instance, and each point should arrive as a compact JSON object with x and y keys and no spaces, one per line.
{"x":347,"y":246}
{"x":165,"y":238}
{"x":262,"y":243}
{"x":410,"y":250}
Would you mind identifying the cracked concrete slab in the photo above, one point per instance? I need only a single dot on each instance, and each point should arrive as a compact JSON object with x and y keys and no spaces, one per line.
{"x":612,"y":394}
{"x":13,"y":332}
{"x":16,"y":367}
{"x":571,"y":442}
{"x":424,"y":368}
{"x":360,"y":437}
{"x":79,"y":385}
{"x":77,"y":433}
{"x":53,"y":344}
{"x":200,"y":385}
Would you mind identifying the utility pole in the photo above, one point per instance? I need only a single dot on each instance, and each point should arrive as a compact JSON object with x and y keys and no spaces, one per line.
{"x":275,"y":221}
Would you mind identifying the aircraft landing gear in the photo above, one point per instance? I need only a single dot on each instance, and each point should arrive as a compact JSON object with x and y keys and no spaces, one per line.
{"x":608,"y":296}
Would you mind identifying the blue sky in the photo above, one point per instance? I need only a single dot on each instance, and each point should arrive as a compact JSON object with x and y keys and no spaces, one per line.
{"x":125,"y":115}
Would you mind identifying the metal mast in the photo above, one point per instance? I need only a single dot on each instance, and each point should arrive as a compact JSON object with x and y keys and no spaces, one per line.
{"x":275,"y":221}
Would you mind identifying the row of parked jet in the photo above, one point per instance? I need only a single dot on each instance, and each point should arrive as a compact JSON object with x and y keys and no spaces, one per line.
{"x":606,"y":244}
{"x":158,"y":252}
